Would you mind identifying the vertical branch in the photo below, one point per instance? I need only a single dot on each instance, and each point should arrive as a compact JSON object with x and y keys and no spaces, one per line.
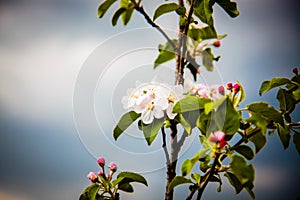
{"x":171,"y":167}
{"x":164,"y":146}
{"x":182,"y":46}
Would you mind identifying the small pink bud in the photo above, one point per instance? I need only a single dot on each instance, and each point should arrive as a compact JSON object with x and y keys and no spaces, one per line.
{"x":101,"y":162}
{"x":236,"y":88}
{"x":229,"y":86}
{"x":218,"y":137}
{"x":295,"y":70}
{"x":221,"y":90}
{"x":217,"y":43}
{"x":93,"y":177}
{"x":112,"y":166}
{"x":100,"y":173}
{"x":108,"y":176}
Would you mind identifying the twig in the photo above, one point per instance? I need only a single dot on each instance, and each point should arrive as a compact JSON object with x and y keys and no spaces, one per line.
{"x":211,"y":173}
{"x":141,"y":10}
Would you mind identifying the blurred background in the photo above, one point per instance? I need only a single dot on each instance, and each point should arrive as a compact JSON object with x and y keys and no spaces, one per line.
{"x":45,"y":48}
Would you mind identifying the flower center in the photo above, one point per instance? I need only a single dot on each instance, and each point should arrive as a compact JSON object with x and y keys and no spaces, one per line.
{"x":150,"y":106}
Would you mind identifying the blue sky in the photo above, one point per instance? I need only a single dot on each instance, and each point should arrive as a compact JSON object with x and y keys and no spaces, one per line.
{"x":47,"y":46}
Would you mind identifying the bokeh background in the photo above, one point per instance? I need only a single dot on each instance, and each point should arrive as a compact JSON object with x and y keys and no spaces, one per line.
{"x":44,"y":45}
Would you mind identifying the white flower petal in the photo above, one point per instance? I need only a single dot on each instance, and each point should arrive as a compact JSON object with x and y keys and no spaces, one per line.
{"x":169,"y":111}
{"x":147,"y":116}
{"x":158,"y":112}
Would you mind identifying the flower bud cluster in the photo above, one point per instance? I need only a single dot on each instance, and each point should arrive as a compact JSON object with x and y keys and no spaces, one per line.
{"x":214,"y":92}
{"x":233,"y":87}
{"x":96,"y":178}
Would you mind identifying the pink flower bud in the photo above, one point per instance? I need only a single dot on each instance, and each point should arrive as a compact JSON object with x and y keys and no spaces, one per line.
{"x":236,"y":88}
{"x":295,"y":70}
{"x":221,"y":90}
{"x":101,"y":162}
{"x":93,"y":177}
{"x":100,"y":173}
{"x":229,"y":86}
{"x":108,"y":176}
{"x":218,"y":137}
{"x":113,"y":167}
{"x":217,"y":43}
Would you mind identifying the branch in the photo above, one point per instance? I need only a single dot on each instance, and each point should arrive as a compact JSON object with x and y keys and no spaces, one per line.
{"x":141,"y":10}
{"x":182,"y":44}
{"x":164,"y":146}
{"x":211,"y":173}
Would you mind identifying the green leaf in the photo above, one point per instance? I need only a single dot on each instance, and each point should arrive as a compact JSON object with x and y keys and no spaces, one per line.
{"x":126,"y":187}
{"x":126,"y":16}
{"x":132,"y":177}
{"x":196,"y":177}
{"x":187,"y":127}
{"x":265,"y":110}
{"x":186,"y":167}
{"x":90,"y":192}
{"x":208,"y":59}
{"x":126,"y":120}
{"x":241,"y":97}
{"x":200,"y":34}
{"x":206,"y":144}
{"x":151,"y":130}
{"x":226,"y":118}
{"x":220,"y":37}
{"x":181,"y":10}
{"x":203,"y":10}
{"x":188,"y":164}
{"x":296,"y":94}
{"x":229,"y":7}
{"x":284,"y":135}
{"x":117,"y":14}
{"x":245,"y":173}
{"x":178,"y":180}
{"x":270,"y":84}
{"x":165,"y":8}
{"x":259,"y":140}
{"x":203,"y":122}
{"x":244,"y":151}
{"x":296,"y":140}
{"x":234,"y":181}
{"x":190,"y":103}
{"x":204,"y":164}
{"x":191,"y":117}
{"x":286,"y":101}
{"x":117,"y":181}
{"x":166,"y":53}
{"x":104,"y":6}
{"x":259,"y":121}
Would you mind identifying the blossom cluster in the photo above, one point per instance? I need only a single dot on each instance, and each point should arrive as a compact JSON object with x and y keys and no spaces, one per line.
{"x":94,"y":178}
{"x":156,"y":100}
{"x":153,"y":100}
{"x":214,"y":92}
